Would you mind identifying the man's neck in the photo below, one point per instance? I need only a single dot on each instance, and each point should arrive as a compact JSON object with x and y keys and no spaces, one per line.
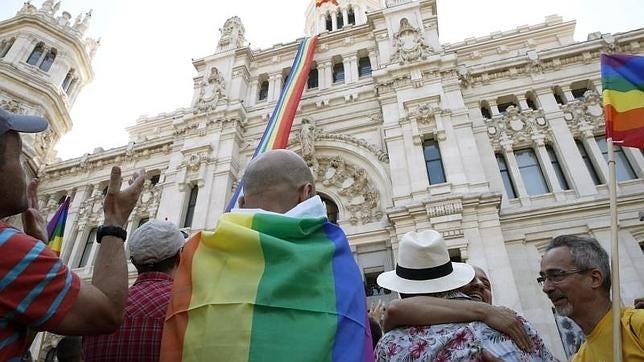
{"x":591,"y":314}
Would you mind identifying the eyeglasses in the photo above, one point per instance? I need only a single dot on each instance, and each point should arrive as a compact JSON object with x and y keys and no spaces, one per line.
{"x":557,"y":276}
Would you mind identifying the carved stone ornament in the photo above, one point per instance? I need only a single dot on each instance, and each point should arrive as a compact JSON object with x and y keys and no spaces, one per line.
{"x":313,"y":134}
{"x":464,"y":76}
{"x":212,"y":90}
{"x":425,"y":114}
{"x":45,"y":141}
{"x":11,"y":106}
{"x":517,"y":128}
{"x":232,"y":34}
{"x":148,"y":201}
{"x":91,"y":210}
{"x":352,"y":183}
{"x":409,"y":44}
{"x":585,"y":116}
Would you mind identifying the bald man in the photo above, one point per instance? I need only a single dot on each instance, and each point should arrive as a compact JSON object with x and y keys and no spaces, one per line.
{"x":265,"y":278}
{"x":277,"y":181}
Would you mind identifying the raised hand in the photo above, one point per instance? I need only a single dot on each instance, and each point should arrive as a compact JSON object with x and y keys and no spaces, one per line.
{"x":507,"y":321}
{"x":119,"y":203}
{"x":377,"y":311}
{"x":33,"y":222}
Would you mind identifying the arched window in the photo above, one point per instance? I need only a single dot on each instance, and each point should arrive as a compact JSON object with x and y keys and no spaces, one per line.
{"x":328,"y":22}
{"x":588,"y":162}
{"x":142,"y":221}
{"x":331,"y":208}
{"x":506,"y":101}
{"x":190,"y":208}
{"x":263,"y":90}
{"x":579,"y":88}
{"x":505,"y":176}
{"x":559,"y":95}
{"x":154,"y":179}
{"x":339,"y":21}
{"x":87,"y":248}
{"x":312,"y":82}
{"x":364,"y":67}
{"x":68,"y":80}
{"x":35,"y":55}
{"x":5,"y":46}
{"x":563,"y":183}
{"x":535,"y":183}
{"x":338,"y":72}
{"x":623,"y":169}
{"x":48,"y":60}
{"x":351,"y":16}
{"x":485,"y":110}
{"x":531,"y":100}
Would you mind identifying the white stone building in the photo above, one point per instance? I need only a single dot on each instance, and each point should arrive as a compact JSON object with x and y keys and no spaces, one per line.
{"x":497,"y":141}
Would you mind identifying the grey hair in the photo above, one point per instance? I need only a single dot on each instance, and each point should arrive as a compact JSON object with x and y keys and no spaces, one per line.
{"x":586,"y":253}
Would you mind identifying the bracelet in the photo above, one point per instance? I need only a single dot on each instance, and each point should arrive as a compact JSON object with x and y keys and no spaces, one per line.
{"x":110,"y":230}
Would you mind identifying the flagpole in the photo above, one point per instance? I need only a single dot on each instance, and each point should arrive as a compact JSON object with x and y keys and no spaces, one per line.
{"x":614,"y":254}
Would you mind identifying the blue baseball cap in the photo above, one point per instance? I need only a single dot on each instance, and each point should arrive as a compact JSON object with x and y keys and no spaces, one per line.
{"x":20,"y":123}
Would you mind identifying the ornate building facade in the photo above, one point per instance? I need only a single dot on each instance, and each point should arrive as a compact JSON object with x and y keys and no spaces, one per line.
{"x":497,"y":142}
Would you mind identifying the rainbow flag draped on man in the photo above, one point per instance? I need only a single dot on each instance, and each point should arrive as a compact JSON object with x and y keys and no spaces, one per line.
{"x":623,"y":93}
{"x":268,"y":287}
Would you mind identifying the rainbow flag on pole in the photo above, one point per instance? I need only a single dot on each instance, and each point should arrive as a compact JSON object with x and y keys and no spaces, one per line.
{"x":56,"y":227}
{"x":267,"y":287}
{"x":279,"y":125}
{"x":623,"y":83}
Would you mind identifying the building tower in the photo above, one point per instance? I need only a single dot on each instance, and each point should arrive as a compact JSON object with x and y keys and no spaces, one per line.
{"x":45,"y":60}
{"x":331,"y":15}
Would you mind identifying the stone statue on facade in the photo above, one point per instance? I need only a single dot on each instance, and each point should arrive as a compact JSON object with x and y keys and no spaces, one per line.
{"x":409,"y":44}
{"x":212,"y":90}
{"x":307,"y":141}
{"x":232,"y":34}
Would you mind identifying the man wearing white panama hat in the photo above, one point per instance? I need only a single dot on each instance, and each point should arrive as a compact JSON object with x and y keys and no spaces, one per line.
{"x":424,"y":268}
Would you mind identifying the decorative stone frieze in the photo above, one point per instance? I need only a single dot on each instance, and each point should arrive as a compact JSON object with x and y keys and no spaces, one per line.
{"x":212,"y":90}
{"x":585,"y":116}
{"x":516,"y":128}
{"x":409,"y":44}
{"x":148,"y":203}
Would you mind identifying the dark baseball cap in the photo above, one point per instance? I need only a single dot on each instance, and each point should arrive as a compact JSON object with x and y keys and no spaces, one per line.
{"x":19,"y":123}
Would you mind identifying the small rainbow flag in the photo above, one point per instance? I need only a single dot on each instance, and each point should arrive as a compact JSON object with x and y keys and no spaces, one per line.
{"x":56,"y":227}
{"x":267,"y":287}
{"x":279,"y":125}
{"x":623,"y":83}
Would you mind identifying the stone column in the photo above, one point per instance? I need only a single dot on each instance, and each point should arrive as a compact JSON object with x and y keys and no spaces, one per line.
{"x":251,"y":99}
{"x":322,"y":24}
{"x":523,"y":103}
{"x":373,"y":59}
{"x":345,"y":17}
{"x":596,"y":156}
{"x":493,"y":107}
{"x":334,"y":21}
{"x":568,"y":93}
{"x":72,"y":217}
{"x":326,"y":78}
{"x":548,"y":169}
{"x":274,"y":86}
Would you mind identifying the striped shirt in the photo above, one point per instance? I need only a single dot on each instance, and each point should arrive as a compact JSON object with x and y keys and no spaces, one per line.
{"x":36,"y":290}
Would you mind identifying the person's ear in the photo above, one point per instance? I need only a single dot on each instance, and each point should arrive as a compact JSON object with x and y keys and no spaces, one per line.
{"x":307,"y":192}
{"x":597,"y":279}
{"x":242,"y":202}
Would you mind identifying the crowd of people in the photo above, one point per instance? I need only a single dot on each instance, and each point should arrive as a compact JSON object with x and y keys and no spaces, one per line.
{"x":445,"y":310}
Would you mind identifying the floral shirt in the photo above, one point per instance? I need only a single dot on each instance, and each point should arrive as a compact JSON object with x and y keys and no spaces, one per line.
{"x":456,"y":342}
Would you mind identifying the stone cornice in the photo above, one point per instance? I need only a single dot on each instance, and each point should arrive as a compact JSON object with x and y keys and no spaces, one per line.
{"x":130,"y":152}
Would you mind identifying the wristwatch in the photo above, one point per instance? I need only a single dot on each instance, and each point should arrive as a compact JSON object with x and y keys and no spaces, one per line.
{"x":110,"y":230}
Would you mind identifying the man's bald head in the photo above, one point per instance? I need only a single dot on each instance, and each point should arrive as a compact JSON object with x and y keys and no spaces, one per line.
{"x":277,"y":181}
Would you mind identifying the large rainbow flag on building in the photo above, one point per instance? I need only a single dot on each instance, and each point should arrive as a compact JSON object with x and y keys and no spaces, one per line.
{"x":279,"y":125}
{"x":267,"y":287}
{"x":56,"y":227}
{"x":623,"y":93}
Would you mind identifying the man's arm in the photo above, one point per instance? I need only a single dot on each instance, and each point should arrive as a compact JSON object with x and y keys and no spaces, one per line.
{"x":99,"y":306}
{"x":429,"y":310}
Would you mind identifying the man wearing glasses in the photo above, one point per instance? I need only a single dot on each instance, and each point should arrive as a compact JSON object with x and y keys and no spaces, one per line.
{"x":575,"y":274}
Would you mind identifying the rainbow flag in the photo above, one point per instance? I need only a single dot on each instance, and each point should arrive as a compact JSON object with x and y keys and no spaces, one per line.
{"x":279,"y":125}
{"x":267,"y":287}
{"x":623,"y":83}
{"x":56,"y":227}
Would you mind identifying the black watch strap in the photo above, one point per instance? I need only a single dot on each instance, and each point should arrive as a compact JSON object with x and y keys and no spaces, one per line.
{"x":110,"y":230}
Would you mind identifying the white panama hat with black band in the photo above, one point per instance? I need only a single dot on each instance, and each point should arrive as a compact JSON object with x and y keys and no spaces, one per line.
{"x":424,"y":266}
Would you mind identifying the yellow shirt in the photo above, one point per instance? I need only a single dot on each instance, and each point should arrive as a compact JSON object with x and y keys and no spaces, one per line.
{"x":598,"y":346}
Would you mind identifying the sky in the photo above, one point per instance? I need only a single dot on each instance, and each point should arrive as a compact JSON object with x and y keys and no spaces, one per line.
{"x":144,"y":63}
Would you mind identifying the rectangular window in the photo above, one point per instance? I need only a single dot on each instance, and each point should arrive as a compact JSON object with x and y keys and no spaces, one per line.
{"x":364,"y":67}
{"x":312,"y":82}
{"x":558,"y":171}
{"x":435,"y":171}
{"x":338,"y":73}
{"x":505,"y":176}
{"x":588,"y":162}
{"x":190,"y":209}
{"x":370,"y":285}
{"x":623,"y":169}
{"x":531,"y":173}
{"x":263,"y":90}
{"x":87,"y":248}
